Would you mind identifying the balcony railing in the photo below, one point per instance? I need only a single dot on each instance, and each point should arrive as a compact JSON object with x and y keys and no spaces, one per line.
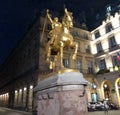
{"x":88,"y":51}
{"x":87,"y":71}
{"x":115,"y":47}
{"x":111,"y":69}
{"x":102,"y":52}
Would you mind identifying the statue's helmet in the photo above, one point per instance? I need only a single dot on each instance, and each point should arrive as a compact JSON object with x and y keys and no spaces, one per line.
{"x":56,"y":19}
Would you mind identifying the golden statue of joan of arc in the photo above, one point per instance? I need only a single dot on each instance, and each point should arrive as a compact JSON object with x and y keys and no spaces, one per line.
{"x":60,"y":38}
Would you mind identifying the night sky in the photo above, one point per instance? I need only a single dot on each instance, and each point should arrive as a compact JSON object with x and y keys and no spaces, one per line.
{"x":16,"y":15}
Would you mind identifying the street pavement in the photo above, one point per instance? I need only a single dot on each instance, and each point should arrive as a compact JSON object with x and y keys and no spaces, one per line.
{"x":6,"y":111}
{"x":111,"y":112}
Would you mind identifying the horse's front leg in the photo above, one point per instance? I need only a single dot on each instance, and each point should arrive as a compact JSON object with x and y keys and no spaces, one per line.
{"x":75,"y":52}
{"x":61,"y":54}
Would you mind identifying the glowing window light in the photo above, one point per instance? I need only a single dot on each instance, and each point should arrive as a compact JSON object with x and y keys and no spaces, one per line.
{"x":20,"y":90}
{"x":25,"y":88}
{"x":111,"y":69}
{"x":116,"y":68}
{"x":16,"y":91}
{"x":107,"y":99}
{"x":31,"y":87}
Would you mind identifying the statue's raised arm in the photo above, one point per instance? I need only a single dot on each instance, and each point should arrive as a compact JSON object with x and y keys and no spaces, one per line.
{"x":49,"y":17}
{"x":67,"y":19}
{"x":66,"y":11}
{"x":55,"y":24}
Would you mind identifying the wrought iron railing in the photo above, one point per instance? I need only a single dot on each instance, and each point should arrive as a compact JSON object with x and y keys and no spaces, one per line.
{"x":113,"y":48}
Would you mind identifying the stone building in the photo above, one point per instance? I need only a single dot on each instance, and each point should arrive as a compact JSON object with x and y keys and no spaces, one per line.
{"x":106,"y":48}
{"x":26,"y":65}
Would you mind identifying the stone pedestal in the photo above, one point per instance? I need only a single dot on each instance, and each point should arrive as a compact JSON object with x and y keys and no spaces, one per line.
{"x":62,"y":94}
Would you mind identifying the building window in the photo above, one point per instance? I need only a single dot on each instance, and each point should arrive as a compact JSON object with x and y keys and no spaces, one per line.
{"x":115,"y":61}
{"x":102,"y":64}
{"x":94,"y":97}
{"x":97,"y":34}
{"x":86,"y":36}
{"x":108,"y":9}
{"x":108,"y":27}
{"x":78,"y":46}
{"x":66,"y":63}
{"x":79,"y":65}
{"x":99,"y":47}
{"x":75,"y":34}
{"x":119,"y":21}
{"x":112,"y":42}
{"x":87,"y":47}
{"x":90,"y":67}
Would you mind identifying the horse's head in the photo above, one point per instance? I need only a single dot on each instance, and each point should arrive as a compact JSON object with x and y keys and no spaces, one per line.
{"x":67,"y":19}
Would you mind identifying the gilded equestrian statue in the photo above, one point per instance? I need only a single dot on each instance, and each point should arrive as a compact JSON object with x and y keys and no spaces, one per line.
{"x":60,"y":38}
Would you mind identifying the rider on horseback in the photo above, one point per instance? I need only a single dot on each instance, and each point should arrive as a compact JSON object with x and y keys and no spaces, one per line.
{"x":60,"y":39}
{"x":56,"y":27}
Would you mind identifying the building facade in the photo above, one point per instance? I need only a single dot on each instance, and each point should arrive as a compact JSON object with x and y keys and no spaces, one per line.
{"x":106,"y":48}
{"x":97,"y":59}
{"x":18,"y":74}
{"x":26,"y":65}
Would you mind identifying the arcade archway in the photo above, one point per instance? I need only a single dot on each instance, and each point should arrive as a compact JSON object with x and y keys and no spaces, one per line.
{"x":106,"y":87}
{"x":117,"y":86}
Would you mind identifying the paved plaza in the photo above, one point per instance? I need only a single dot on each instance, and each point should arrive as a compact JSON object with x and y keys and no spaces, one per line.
{"x":111,"y":112}
{"x":6,"y":111}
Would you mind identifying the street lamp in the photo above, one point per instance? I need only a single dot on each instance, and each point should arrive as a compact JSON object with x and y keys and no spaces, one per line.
{"x":105,"y":85}
{"x":94,"y":85}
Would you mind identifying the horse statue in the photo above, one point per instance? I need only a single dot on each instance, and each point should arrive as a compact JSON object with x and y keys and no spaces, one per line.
{"x":60,"y":38}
